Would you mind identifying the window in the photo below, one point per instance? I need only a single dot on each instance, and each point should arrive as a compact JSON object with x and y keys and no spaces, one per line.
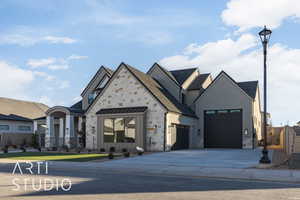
{"x":119,"y":130}
{"x":103,"y":82}
{"x":234,"y":111}
{"x":4,"y":127}
{"x":210,"y":112}
{"x":91,"y":97}
{"x":24,"y":128}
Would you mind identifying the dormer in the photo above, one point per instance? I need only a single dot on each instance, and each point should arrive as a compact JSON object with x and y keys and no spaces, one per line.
{"x":166,"y":79}
{"x":95,"y":86}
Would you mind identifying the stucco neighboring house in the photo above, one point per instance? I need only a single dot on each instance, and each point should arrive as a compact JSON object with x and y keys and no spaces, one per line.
{"x":16,"y":120}
{"x":160,"y":110}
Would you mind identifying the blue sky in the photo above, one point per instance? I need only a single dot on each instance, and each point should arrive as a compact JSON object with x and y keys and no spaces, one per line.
{"x":51,"y":49}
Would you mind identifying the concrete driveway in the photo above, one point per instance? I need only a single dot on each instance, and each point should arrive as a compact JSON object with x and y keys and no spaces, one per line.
{"x":207,"y":158}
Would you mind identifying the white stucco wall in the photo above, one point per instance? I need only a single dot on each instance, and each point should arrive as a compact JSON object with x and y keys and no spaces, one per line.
{"x":225,"y":94}
{"x":124,"y":90}
{"x":174,"y":118}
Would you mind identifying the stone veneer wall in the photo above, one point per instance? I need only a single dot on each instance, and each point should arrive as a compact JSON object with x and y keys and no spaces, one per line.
{"x":126,"y":91}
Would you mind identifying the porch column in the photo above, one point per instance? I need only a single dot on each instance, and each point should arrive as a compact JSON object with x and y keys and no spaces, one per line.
{"x":70,"y":138}
{"x":61,"y":139}
{"x":50,"y":136}
{"x":35,"y":126}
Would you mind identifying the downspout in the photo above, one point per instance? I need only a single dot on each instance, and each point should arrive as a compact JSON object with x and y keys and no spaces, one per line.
{"x":165,"y":129}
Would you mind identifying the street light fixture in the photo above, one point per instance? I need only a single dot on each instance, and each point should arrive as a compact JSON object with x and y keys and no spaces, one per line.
{"x":265,"y":35}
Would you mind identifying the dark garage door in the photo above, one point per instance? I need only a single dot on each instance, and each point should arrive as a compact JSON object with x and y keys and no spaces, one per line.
{"x":181,"y":138}
{"x":223,"y":128}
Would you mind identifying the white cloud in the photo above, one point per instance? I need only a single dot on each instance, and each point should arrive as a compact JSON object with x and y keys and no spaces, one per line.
{"x":58,"y":67}
{"x":14,"y":80}
{"x":76,"y":57}
{"x":247,"y":14}
{"x":44,"y":75}
{"x":34,"y":63}
{"x":64,"y":84}
{"x":243,"y":62}
{"x":54,"y":63}
{"x":46,"y":100}
{"x":57,"y":40}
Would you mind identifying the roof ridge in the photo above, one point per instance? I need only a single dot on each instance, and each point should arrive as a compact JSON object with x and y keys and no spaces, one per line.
{"x":21,"y":100}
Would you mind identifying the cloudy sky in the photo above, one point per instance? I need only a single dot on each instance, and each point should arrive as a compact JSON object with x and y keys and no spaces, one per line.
{"x":49,"y":50}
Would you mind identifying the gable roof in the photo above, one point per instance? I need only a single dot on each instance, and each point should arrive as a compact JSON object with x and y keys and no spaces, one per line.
{"x":26,"y":109}
{"x":182,"y":74}
{"x":169,"y":74}
{"x":247,"y":90}
{"x":160,"y":93}
{"x":108,"y":71}
{"x":197,"y":83}
{"x":12,"y":117}
{"x":250,"y":87}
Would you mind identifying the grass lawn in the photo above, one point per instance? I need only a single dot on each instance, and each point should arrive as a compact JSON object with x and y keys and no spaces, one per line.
{"x":74,"y":157}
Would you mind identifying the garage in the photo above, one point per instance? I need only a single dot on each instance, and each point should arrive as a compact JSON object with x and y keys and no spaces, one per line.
{"x":223,"y":128}
{"x":180,"y":137}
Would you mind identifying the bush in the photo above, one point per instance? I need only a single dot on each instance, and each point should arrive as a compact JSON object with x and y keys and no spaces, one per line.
{"x":124,"y":150}
{"x":140,"y":153}
{"x":23,"y":149}
{"x":126,"y":154}
{"x":39,"y":149}
{"x":89,"y":151}
{"x":54,"y":149}
{"x":112,"y":149}
{"x":111,"y":155}
{"x":65,"y":148}
{"x":102,"y":150}
{"x":5,"y":149}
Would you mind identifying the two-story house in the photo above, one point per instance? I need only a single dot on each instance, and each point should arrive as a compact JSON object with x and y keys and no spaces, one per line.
{"x":159,"y":110}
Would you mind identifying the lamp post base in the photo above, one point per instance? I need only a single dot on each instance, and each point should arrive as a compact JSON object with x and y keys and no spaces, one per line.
{"x":265,"y":158}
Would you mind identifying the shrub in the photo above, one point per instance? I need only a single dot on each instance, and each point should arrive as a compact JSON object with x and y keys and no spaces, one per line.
{"x":54,"y":148}
{"x":140,"y":153}
{"x":124,"y":150}
{"x":89,"y":151}
{"x":65,"y":148}
{"x":102,"y":150}
{"x":5,"y":149}
{"x":39,"y":149}
{"x":111,"y":155}
{"x":23,"y":149}
{"x":112,"y":149}
{"x":126,"y":154}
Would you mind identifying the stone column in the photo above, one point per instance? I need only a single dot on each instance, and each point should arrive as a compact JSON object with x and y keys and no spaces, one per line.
{"x":61,"y":139}
{"x":35,"y":127}
{"x":50,"y":136}
{"x":70,"y":139}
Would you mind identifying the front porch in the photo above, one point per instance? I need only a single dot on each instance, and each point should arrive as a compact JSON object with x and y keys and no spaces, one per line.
{"x":65,"y":128}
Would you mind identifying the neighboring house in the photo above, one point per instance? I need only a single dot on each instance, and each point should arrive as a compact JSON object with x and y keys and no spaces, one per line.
{"x":158,"y":110}
{"x":16,"y":120}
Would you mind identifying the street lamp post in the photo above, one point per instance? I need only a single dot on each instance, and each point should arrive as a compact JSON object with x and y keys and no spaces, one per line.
{"x":265,"y":37}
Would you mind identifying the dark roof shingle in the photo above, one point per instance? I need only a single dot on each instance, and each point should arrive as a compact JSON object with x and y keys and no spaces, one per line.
{"x":161,"y":93}
{"x":122,"y":110}
{"x":197,"y":83}
{"x":12,"y":117}
{"x":182,"y":74}
{"x":249,"y":87}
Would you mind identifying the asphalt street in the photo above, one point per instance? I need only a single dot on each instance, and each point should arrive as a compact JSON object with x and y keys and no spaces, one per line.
{"x":100,"y":184}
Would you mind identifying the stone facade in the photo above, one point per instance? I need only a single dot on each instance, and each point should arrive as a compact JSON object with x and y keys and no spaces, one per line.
{"x":124,"y":90}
